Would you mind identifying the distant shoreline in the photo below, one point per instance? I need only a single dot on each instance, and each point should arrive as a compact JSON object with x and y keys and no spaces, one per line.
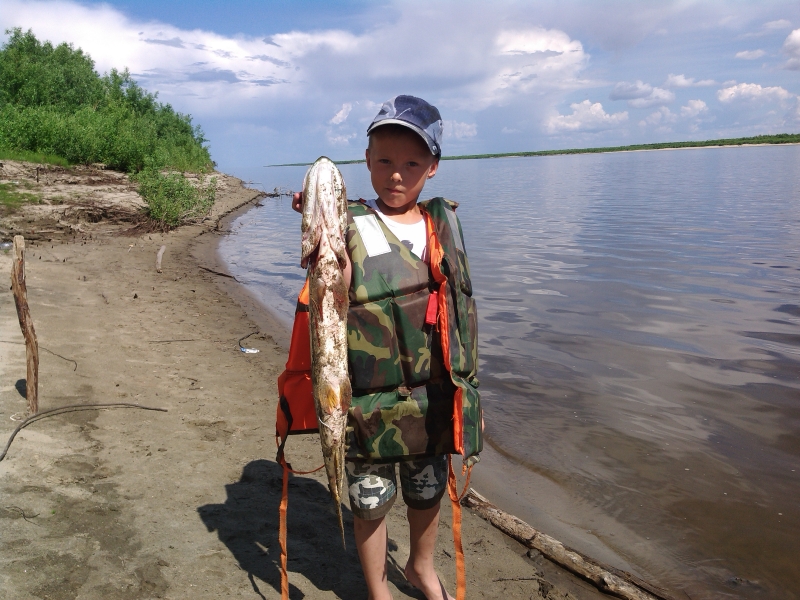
{"x":759,"y":140}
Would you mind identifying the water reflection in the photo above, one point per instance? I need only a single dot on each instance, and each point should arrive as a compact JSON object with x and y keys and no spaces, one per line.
{"x":640,"y":334}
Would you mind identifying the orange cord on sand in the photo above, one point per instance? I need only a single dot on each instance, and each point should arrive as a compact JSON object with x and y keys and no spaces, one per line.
{"x":282,"y":533}
{"x":455,"y":498}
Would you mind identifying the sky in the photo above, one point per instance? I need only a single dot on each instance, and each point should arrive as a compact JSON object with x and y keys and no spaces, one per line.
{"x":274,"y":81}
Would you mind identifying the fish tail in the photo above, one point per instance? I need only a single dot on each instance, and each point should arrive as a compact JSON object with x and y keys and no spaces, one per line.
{"x":341,"y":524}
{"x":336,"y":485}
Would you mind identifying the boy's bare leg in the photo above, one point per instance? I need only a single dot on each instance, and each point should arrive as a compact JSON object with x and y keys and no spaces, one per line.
{"x":423,"y":526}
{"x":371,"y":545}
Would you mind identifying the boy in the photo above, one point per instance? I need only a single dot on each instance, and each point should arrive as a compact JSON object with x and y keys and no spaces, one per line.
{"x":412,"y":345}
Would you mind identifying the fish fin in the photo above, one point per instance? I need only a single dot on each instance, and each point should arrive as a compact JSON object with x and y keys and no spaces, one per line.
{"x":331,"y":399}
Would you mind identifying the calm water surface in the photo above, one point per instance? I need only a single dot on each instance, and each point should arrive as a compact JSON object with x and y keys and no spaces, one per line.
{"x":639,"y":342}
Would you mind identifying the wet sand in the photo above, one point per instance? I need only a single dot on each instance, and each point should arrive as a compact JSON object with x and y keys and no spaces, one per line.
{"x":127,"y":503}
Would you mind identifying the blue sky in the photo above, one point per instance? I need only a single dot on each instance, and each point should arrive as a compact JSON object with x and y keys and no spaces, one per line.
{"x":274,"y":82}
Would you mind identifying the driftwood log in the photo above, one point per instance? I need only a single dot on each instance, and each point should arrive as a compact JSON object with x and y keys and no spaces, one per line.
{"x":606,"y":578}
{"x":159,"y":256}
{"x":20,"y":291}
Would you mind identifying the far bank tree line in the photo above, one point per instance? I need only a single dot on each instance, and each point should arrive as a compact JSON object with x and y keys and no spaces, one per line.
{"x":55,"y":107}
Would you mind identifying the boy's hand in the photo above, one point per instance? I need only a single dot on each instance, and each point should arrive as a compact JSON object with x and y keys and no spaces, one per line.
{"x":297,"y":202}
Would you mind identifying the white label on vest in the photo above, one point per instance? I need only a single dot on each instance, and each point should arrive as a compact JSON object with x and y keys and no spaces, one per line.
{"x":372,"y":235}
{"x":451,"y":217}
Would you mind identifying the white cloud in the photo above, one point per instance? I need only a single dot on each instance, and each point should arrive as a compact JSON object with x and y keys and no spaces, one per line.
{"x":769,"y":28}
{"x":459,"y":130}
{"x":340,"y":140}
{"x":641,"y":95}
{"x":658,"y":97}
{"x":777,"y":25}
{"x":791,"y":47}
{"x":752,"y":92}
{"x":629,"y":91}
{"x":341,"y":116}
{"x":662,"y":116}
{"x":693,"y":108}
{"x":681,"y":81}
{"x":534,"y":59}
{"x":794,"y":114}
{"x":585,"y":117}
{"x":750,"y":54}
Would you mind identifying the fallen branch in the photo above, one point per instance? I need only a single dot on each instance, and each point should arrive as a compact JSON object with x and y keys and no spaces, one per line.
{"x":22,"y":512}
{"x":606,"y":578}
{"x":221,"y":274}
{"x":70,"y":408}
{"x":46,"y":350}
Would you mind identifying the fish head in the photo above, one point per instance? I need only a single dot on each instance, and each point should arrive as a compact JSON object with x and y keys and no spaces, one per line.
{"x":324,"y":211}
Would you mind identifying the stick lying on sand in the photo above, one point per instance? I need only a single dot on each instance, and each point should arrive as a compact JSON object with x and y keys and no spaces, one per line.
{"x":606,"y":578}
{"x":70,"y":408}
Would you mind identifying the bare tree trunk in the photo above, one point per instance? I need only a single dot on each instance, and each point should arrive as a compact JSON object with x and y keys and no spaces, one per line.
{"x":606,"y":578}
{"x":20,"y":291}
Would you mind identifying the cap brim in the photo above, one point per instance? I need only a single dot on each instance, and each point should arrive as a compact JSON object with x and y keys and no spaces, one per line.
{"x":417,"y":130}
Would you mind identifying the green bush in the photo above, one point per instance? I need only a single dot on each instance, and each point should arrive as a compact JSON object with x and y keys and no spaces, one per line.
{"x":171,"y":198}
{"x":53,"y":102}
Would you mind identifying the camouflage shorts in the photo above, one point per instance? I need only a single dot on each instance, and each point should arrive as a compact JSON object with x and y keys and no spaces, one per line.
{"x":373,"y":486}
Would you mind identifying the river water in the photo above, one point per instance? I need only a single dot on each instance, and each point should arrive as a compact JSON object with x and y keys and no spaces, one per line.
{"x":639,"y":345}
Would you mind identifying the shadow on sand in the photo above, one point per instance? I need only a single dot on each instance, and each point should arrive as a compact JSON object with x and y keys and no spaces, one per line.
{"x":247,"y":523}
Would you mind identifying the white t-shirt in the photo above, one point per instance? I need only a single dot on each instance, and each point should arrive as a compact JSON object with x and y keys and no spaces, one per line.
{"x":413,"y":236}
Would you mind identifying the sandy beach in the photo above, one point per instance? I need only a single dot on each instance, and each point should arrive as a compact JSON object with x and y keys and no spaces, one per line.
{"x":129,"y":503}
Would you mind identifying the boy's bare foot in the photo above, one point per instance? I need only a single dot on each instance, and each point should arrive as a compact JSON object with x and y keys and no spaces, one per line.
{"x":427,"y":583}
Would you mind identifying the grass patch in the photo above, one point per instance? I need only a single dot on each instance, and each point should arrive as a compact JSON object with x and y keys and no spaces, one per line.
{"x":172,"y":199}
{"x":11,"y":198}
{"x":33,"y":157}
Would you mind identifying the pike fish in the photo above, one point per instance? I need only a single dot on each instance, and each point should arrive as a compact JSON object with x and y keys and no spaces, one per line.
{"x":324,"y":251}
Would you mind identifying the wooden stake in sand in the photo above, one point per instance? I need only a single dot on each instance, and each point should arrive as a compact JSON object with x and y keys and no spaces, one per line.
{"x":606,"y":578}
{"x":159,"y":256}
{"x":20,"y":291}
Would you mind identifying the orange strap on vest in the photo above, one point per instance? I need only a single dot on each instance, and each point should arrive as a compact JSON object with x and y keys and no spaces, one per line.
{"x":299,"y":416}
{"x":284,"y":508}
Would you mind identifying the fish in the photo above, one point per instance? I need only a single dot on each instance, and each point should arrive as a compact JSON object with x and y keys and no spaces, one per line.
{"x":324,"y":254}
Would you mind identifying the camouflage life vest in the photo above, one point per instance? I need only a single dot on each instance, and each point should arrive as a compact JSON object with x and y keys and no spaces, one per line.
{"x":412,"y":340}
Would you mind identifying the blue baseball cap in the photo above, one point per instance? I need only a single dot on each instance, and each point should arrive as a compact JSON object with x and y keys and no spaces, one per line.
{"x":416,"y":114}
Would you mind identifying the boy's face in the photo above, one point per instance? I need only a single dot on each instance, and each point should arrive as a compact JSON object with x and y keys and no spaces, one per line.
{"x":399,"y":163}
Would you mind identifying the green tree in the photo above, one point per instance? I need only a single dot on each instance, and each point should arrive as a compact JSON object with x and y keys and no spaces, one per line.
{"x":37,"y":74}
{"x":52,"y":101}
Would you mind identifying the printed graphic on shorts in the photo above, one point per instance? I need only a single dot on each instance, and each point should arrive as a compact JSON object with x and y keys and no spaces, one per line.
{"x":423,"y":479}
{"x":370,"y":486}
